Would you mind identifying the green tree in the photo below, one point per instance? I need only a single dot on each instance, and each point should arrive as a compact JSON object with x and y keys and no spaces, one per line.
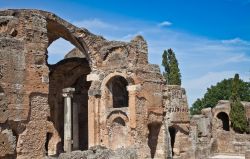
{"x":237,"y":113}
{"x":172,"y":71}
{"x":197,"y":106}
{"x":221,"y":91}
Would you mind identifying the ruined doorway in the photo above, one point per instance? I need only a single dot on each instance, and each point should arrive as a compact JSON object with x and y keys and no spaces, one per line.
{"x":118,"y":134}
{"x":172,"y":132}
{"x":154,"y":129}
{"x":71,"y":72}
{"x":224,"y":119}
{"x":80,"y":100}
{"x":118,"y":93}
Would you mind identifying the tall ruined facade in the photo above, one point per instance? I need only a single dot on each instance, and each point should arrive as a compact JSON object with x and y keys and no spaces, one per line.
{"x":117,"y":99}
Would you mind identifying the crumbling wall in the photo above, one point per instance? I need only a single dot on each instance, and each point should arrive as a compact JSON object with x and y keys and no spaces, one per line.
{"x":7,"y":143}
{"x":31,"y":143}
{"x":30,"y":89}
{"x":211,"y":136}
{"x":25,"y":36}
{"x":201,"y":133}
{"x":177,"y":114}
{"x":121,"y":60}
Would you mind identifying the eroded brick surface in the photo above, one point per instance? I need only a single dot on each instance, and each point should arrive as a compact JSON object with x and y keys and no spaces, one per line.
{"x":121,"y":99}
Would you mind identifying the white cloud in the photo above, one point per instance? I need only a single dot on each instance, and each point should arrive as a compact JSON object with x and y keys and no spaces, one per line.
{"x":165,"y":24}
{"x":237,"y":58}
{"x":4,"y":8}
{"x":209,"y":79}
{"x":128,"y":37}
{"x":95,"y":23}
{"x":58,"y":49}
{"x":236,"y":41}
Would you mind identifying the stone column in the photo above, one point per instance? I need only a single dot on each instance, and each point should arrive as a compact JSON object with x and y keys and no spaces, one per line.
{"x":67,"y":94}
{"x":75,"y":127}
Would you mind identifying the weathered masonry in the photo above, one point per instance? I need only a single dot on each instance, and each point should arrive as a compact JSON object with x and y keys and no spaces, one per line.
{"x":102,"y":93}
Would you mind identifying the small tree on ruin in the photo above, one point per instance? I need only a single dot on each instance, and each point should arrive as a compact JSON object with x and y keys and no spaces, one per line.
{"x":172,"y":71}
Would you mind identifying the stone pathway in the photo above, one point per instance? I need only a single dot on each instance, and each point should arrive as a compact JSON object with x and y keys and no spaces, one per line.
{"x":227,"y":157}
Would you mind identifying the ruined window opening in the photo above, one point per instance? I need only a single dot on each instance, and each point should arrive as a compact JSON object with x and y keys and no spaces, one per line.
{"x":172,"y":132}
{"x":154,"y":130}
{"x":58,"y":49}
{"x":225,"y":120}
{"x":117,"y":86}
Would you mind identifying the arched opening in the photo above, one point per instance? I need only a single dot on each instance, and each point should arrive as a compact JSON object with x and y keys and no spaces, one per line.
{"x":118,"y":93}
{"x":118,"y":134}
{"x":172,"y":132}
{"x":72,"y":72}
{"x":57,"y":50}
{"x":224,"y":119}
{"x":154,"y":129}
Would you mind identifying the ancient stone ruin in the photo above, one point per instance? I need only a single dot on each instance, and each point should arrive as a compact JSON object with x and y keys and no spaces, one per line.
{"x":103,"y":97}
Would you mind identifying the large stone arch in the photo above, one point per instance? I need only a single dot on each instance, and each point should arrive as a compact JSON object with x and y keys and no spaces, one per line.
{"x":50,"y":27}
{"x":81,"y":38}
{"x":57,"y":27}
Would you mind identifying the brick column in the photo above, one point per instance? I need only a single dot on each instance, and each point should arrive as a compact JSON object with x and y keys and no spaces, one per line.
{"x":132,"y":89}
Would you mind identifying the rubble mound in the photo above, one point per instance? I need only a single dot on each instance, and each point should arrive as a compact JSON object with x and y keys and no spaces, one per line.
{"x":100,"y":152}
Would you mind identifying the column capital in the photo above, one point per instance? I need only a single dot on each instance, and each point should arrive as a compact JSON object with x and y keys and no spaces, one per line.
{"x":132,"y":88}
{"x":68,"y":92}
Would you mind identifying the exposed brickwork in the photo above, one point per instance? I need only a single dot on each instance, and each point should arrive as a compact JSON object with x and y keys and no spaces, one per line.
{"x":121,"y":98}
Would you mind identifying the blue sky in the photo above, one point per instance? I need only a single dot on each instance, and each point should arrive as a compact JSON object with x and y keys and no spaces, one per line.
{"x":211,"y":38}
